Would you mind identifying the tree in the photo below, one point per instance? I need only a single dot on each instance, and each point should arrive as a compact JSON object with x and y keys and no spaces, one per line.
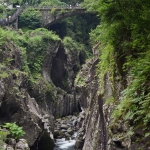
{"x":30,"y":19}
{"x":124,"y":34}
{"x":31,"y":2}
{"x":52,"y":3}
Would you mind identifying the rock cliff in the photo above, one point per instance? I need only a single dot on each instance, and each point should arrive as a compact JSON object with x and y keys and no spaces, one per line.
{"x":60,"y":91}
{"x":34,"y":105}
{"x":98,"y":131}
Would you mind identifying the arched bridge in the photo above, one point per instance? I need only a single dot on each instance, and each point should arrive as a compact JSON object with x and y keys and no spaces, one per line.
{"x":50,"y":15}
{"x":48,"y":18}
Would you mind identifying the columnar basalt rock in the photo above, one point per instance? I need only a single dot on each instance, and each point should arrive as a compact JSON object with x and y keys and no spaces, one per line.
{"x":32,"y":106}
{"x":97,"y":131}
{"x":94,"y":133}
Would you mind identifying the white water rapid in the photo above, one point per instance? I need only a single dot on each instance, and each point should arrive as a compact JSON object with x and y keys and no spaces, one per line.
{"x":62,"y":144}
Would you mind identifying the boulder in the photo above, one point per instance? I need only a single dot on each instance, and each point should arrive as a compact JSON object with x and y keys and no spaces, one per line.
{"x":63,"y":126}
{"x":22,"y":145}
{"x":9,"y":147}
{"x":12,"y":142}
{"x":70,"y":131}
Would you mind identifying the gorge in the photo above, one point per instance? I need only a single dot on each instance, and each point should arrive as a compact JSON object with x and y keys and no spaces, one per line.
{"x":81,"y":84}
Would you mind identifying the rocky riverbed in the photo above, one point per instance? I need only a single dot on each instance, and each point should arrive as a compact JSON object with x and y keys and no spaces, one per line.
{"x":66,"y":129}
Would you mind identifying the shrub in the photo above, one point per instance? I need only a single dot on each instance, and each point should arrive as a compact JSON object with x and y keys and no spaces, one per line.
{"x":15,"y":131}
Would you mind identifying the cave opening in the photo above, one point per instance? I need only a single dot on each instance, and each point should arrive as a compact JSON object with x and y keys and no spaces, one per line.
{"x":79,"y":107}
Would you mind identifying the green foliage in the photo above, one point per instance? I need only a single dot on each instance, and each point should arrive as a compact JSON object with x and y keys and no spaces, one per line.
{"x":124,"y":35}
{"x":31,"y":2}
{"x":136,"y":97}
{"x":42,"y":90}
{"x":73,"y":2}
{"x":15,"y":131}
{"x":53,"y":11}
{"x":30,"y":19}
{"x":79,"y":80}
{"x":3,"y":135}
{"x":33,"y":45}
{"x":2,"y":10}
{"x":52,"y":3}
{"x":19,"y":40}
{"x":77,"y":28}
{"x":37,"y":41}
{"x":72,"y":45}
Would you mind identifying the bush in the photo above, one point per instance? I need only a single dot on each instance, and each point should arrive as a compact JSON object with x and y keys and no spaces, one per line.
{"x":15,"y":131}
{"x":30,"y":19}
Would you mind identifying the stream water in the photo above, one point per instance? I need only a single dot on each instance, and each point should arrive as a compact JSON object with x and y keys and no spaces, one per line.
{"x":62,"y":144}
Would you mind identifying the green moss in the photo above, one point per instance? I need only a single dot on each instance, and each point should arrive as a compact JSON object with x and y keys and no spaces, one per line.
{"x":80,"y":80}
{"x":4,"y":75}
{"x":110,"y":100}
{"x":42,"y":90}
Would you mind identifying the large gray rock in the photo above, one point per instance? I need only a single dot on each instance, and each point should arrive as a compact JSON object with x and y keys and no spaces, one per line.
{"x":63,"y":126}
{"x":16,"y":103}
{"x":9,"y":147}
{"x":33,"y":105}
{"x":22,"y":145}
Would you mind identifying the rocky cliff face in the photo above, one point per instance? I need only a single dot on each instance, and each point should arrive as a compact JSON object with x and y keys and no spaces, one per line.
{"x":33,"y":106}
{"x":98,"y":131}
{"x":59,"y":92}
{"x":16,"y":103}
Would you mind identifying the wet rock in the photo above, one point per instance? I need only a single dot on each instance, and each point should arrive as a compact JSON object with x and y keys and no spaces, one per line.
{"x":57,"y":133}
{"x":12,"y":142}
{"x":63,"y":126}
{"x":22,"y":145}
{"x":9,"y":147}
{"x":74,"y":122}
{"x":79,"y":144}
{"x":3,"y":145}
{"x":67,"y":136}
{"x":66,"y":127}
{"x":58,"y":120}
{"x":70,"y":131}
{"x":63,"y":130}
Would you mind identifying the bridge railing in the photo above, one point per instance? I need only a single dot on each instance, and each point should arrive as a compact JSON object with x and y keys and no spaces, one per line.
{"x":54,"y":7}
{"x":20,"y":9}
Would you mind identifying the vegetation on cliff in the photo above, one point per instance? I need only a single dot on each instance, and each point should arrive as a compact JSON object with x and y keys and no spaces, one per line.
{"x":33,"y":45}
{"x":124,"y":34}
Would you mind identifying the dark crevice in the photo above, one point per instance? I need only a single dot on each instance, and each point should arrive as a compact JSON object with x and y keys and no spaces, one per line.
{"x":82,"y":57}
{"x":58,"y":71}
{"x":119,"y":144}
{"x":102,"y":123}
{"x":79,"y":107}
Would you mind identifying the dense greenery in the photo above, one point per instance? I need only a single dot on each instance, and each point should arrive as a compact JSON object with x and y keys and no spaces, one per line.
{"x":9,"y":130}
{"x":33,"y":45}
{"x":77,"y":28}
{"x":30,"y":19}
{"x":124,"y":34}
{"x":37,"y":41}
{"x":15,"y":131}
{"x":52,"y":3}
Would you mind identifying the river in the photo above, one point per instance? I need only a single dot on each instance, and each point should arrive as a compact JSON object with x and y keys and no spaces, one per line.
{"x":63,"y":144}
